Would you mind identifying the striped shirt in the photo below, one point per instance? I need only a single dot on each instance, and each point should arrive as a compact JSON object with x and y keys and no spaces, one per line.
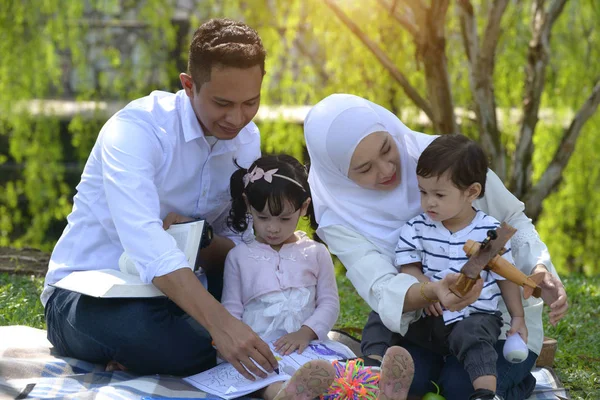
{"x":440,"y":253}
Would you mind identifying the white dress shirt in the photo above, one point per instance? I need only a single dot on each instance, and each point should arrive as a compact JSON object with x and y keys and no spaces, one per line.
{"x":371,"y":270}
{"x":150,"y":158}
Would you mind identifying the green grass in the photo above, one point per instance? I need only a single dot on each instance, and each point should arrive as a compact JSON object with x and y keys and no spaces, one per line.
{"x":577,"y":360}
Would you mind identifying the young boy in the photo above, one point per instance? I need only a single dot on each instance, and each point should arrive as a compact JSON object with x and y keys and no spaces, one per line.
{"x":451,"y":173}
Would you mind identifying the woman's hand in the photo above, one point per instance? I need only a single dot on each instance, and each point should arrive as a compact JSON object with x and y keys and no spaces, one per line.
{"x":553,"y":294}
{"x":298,"y":340}
{"x":449,"y":300}
{"x":174,"y":218}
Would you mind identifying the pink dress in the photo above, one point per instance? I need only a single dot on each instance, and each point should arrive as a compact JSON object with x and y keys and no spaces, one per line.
{"x":276,"y":292}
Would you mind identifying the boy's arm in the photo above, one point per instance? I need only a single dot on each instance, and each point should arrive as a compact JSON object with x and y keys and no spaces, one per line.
{"x":415,"y":269}
{"x":511,"y":293}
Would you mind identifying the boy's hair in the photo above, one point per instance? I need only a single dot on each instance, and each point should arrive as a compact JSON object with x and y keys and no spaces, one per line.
{"x":461,"y":157}
{"x":226,"y":43}
{"x":275,"y":194}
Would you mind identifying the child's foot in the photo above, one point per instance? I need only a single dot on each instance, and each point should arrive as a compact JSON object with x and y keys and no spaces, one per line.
{"x":114,"y":366}
{"x":310,"y":381}
{"x":397,"y":371}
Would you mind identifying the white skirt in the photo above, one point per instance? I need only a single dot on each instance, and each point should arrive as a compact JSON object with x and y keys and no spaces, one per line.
{"x":275,"y":314}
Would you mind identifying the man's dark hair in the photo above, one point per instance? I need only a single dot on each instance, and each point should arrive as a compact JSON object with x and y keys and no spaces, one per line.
{"x":226,"y":43}
{"x":461,"y":157}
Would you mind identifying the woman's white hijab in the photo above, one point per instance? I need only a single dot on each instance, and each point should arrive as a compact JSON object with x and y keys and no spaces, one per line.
{"x":333,"y":128}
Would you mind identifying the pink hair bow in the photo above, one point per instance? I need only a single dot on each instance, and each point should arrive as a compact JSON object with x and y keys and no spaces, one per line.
{"x":258,"y":173}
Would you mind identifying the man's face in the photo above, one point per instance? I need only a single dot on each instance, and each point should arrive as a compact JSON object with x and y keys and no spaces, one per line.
{"x":227,"y":102}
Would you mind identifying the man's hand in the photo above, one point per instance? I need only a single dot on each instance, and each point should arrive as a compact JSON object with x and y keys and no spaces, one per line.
{"x":449,"y":300}
{"x":553,"y":294}
{"x":234,"y":340}
{"x":174,"y":218}
{"x":242,"y":347}
{"x":298,"y":340}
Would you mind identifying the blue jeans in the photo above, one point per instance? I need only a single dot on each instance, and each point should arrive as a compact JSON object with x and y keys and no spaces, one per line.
{"x":148,"y":336}
{"x":514,"y":381}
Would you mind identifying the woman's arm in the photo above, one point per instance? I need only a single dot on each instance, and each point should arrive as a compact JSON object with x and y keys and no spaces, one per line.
{"x":530,"y":254}
{"x":398,"y":298}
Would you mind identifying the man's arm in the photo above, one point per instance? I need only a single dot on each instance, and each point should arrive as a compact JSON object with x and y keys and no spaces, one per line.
{"x":237,"y":343}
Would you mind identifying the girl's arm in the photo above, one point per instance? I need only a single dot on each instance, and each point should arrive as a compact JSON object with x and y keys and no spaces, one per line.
{"x":328,"y":302}
{"x":232,"y":287}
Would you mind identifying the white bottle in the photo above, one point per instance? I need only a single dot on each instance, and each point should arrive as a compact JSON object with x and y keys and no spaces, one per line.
{"x":515,"y":349}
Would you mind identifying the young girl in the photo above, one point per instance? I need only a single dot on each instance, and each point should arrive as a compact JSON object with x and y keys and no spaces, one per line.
{"x":282,"y":284}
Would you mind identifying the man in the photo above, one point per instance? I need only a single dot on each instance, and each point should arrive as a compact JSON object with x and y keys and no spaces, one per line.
{"x":163,"y":156}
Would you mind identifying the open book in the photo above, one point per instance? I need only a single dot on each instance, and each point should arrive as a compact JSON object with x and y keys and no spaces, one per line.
{"x":224,"y":381}
{"x":126,"y":282}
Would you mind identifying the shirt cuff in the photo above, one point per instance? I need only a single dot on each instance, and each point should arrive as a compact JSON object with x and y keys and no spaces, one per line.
{"x":167,"y":263}
{"x":392,"y":303}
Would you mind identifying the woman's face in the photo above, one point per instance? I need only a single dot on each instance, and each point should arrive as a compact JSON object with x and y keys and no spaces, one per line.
{"x":375,"y":163}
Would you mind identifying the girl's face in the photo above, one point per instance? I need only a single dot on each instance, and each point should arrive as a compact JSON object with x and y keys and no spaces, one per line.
{"x":375,"y":163}
{"x":276,"y":230}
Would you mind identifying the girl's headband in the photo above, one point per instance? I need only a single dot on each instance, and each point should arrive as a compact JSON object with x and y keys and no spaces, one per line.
{"x":258,"y":173}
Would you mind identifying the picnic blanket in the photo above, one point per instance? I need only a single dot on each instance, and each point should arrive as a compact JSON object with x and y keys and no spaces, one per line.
{"x":29,"y":370}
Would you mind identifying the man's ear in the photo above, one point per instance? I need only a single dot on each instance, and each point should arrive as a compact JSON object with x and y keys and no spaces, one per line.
{"x":187,"y":83}
{"x":304,"y":207}
{"x":474,"y":191}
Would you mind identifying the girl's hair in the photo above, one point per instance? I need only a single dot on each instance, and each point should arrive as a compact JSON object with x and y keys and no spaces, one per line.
{"x":275,"y":194}
{"x":461,"y":157}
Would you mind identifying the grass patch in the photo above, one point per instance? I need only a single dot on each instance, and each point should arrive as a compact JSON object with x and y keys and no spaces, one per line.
{"x":577,"y":360}
{"x":20,"y":301}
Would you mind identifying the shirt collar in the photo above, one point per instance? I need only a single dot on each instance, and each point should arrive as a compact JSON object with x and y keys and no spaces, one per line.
{"x":189,"y":122}
{"x":193,"y":130}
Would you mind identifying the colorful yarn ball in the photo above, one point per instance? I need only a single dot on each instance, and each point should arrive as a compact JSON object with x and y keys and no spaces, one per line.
{"x":353,"y":381}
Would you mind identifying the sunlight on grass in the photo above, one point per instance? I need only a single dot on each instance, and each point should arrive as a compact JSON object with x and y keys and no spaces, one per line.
{"x":577,"y":360}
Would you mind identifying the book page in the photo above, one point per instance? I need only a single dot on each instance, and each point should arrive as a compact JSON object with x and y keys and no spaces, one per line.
{"x":107,"y":283}
{"x":180,"y":234}
{"x":224,"y":381}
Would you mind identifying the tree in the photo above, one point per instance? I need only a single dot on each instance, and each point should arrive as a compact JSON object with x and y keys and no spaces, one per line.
{"x":425,"y":22}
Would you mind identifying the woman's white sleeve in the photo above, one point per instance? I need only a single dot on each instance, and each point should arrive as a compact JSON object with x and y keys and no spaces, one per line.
{"x":373,"y":275}
{"x":528,"y":250}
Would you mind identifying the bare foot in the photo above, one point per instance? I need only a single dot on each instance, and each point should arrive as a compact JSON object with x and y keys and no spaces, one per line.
{"x":310,"y":381}
{"x":114,"y":366}
{"x":397,"y":371}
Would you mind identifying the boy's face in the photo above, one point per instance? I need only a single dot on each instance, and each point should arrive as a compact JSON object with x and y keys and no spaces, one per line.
{"x":227,"y":102}
{"x":443,"y":201}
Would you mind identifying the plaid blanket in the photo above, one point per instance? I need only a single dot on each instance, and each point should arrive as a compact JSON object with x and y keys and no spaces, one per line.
{"x":29,"y":370}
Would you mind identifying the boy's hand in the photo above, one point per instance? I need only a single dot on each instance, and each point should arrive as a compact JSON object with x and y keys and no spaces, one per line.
{"x":434,"y":309}
{"x":517,"y":325}
{"x":298,"y":340}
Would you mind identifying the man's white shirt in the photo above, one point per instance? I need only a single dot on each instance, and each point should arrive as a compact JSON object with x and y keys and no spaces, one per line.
{"x":150,"y":158}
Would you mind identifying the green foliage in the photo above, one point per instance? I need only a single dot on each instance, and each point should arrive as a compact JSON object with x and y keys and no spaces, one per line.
{"x":52,"y":45}
{"x":19,"y":301}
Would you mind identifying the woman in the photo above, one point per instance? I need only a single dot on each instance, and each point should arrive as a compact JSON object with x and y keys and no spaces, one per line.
{"x":363,"y":180}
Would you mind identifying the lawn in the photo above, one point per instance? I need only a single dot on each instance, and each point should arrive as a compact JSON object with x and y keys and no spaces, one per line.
{"x":577,"y":360}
